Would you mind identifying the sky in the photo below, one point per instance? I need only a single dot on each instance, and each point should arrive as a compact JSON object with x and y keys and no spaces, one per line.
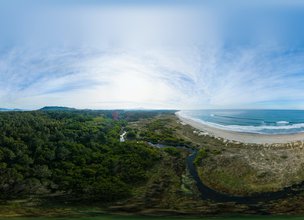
{"x":152,"y":55}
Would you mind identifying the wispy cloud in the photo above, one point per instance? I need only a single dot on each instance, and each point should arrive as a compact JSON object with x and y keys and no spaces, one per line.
{"x":200,"y":56}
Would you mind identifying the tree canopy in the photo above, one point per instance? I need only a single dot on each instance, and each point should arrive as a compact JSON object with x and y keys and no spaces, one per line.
{"x":75,"y":153}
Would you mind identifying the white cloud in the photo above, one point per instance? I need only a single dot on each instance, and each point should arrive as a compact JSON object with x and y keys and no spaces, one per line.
{"x":159,"y":57}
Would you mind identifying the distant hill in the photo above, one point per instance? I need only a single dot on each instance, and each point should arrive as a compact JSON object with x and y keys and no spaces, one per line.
{"x":9,"y":109}
{"x":57,"y":108}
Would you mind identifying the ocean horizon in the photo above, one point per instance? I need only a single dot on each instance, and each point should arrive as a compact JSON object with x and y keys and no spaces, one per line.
{"x":259,"y":121}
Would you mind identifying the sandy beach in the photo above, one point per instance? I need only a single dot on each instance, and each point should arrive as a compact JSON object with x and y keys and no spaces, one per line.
{"x":242,"y":136}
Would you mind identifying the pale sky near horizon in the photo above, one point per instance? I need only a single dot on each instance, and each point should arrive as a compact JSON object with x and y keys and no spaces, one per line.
{"x":190,"y":55}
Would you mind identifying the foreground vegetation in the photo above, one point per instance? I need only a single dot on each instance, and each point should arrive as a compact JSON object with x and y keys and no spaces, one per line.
{"x":112,"y":217}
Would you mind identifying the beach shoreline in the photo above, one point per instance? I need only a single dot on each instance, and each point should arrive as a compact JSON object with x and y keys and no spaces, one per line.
{"x":248,"y":138}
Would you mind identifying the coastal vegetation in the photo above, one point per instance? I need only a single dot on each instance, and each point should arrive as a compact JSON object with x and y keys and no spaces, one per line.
{"x":200,"y":156}
{"x":55,"y":160}
{"x":74,"y":154}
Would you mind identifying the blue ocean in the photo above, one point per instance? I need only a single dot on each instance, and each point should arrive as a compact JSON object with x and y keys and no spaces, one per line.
{"x":251,"y":121}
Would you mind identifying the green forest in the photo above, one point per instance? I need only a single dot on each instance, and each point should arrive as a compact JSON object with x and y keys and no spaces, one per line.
{"x":75,"y":154}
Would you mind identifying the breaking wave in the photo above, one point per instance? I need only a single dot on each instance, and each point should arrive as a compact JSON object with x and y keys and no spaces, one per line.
{"x":280,"y":127}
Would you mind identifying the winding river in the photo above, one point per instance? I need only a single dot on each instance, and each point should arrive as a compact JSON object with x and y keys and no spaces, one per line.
{"x":207,"y":193}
